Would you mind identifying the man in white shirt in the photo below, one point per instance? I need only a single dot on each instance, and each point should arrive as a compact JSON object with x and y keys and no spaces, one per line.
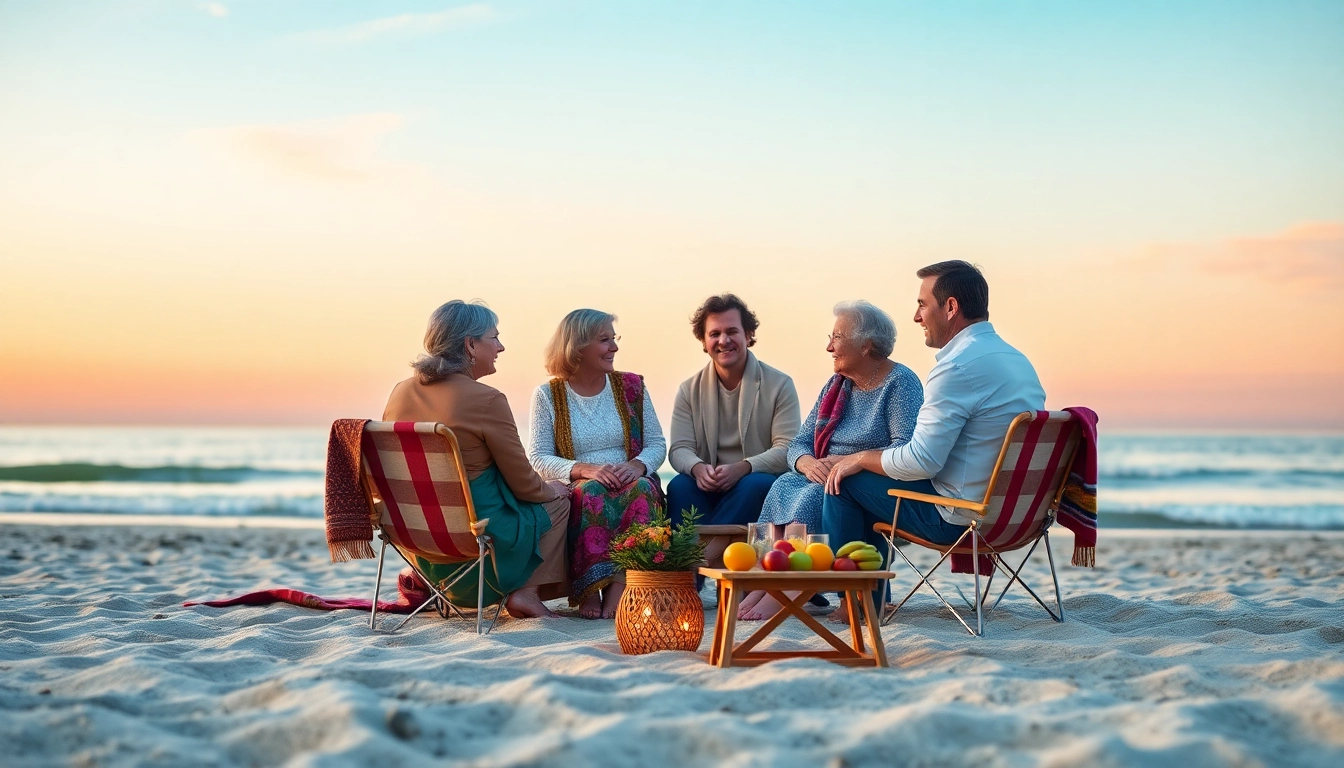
{"x":976,"y":388}
{"x":732,"y":421}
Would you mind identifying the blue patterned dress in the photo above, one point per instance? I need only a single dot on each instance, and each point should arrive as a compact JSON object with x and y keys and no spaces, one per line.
{"x":883,"y":418}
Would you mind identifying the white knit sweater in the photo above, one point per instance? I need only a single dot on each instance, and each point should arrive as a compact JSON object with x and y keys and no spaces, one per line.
{"x":599,"y":437}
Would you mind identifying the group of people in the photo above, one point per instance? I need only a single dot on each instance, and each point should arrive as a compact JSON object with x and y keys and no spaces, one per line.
{"x":739,"y":448}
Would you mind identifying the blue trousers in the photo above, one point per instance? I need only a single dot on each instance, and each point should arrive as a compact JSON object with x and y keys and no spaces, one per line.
{"x":739,"y":506}
{"x":863,"y":501}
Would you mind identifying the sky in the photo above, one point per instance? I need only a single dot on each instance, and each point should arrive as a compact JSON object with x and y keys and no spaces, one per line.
{"x":243,"y":212}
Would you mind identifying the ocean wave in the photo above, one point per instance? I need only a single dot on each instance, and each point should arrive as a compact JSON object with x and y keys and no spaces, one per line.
{"x":1170,"y":473}
{"x":119,"y":473}
{"x":208,"y":505}
{"x":1305,"y":516}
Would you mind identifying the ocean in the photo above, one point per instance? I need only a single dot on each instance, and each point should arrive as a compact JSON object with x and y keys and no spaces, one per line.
{"x":1147,"y":479}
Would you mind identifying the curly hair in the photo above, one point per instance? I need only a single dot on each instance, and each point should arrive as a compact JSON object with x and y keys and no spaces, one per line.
{"x":724,"y":303}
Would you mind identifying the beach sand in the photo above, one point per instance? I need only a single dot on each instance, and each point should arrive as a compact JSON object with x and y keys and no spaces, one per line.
{"x":1183,"y":648}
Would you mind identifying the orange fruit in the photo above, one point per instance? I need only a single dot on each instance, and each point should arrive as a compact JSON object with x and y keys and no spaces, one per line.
{"x":739,"y":556}
{"x":822,"y":556}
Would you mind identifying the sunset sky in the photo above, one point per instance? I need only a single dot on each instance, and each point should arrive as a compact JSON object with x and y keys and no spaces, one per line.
{"x":243,"y":212}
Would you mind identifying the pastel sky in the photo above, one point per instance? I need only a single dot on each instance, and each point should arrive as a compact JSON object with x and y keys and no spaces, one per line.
{"x":243,"y":212}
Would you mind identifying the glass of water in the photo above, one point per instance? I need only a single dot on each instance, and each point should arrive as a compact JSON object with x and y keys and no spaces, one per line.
{"x":761,"y":537}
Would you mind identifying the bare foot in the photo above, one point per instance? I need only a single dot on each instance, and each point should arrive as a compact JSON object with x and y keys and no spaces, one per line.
{"x":611,"y":598}
{"x":525,"y":604}
{"x":592,"y":606}
{"x":766,"y":607}
{"x":749,"y":602}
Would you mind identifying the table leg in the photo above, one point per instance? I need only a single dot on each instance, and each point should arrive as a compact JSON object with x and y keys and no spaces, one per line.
{"x":719,"y":608}
{"x":730,"y":626}
{"x":874,"y":631}
{"x":855,"y":628}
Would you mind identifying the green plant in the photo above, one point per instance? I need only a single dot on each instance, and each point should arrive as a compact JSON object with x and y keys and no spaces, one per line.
{"x":657,"y":546}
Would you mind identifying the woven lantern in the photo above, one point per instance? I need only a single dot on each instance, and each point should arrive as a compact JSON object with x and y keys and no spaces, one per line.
{"x":659,"y":611}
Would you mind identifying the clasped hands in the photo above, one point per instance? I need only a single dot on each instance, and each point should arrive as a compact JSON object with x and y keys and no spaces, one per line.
{"x":720,"y":479}
{"x":828,"y":472}
{"x":611,"y":476}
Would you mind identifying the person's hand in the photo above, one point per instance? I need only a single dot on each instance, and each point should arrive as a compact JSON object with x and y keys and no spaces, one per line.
{"x":625,"y":473}
{"x":729,"y":474}
{"x":829,"y":462}
{"x":602,"y":473}
{"x":812,"y":469}
{"x":846,"y":466}
{"x":706,"y":479}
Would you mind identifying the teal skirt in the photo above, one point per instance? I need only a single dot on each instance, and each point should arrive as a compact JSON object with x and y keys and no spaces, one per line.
{"x":515,"y":527}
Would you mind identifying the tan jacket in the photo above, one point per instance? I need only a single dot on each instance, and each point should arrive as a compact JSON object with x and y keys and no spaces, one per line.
{"x":480,"y":417}
{"x":767,"y":418}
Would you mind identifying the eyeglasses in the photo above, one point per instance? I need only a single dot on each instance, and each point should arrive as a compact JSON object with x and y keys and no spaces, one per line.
{"x":834,"y":337}
{"x":611,"y":338}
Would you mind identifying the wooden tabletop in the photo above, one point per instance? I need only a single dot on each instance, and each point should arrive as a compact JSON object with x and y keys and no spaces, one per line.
{"x":755,"y":574}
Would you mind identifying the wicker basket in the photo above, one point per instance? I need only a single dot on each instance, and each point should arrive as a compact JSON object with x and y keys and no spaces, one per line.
{"x":659,"y":611}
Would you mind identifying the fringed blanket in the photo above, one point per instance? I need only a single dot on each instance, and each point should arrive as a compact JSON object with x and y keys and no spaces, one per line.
{"x":1078,"y":507}
{"x":411,"y":592}
{"x":349,"y":527}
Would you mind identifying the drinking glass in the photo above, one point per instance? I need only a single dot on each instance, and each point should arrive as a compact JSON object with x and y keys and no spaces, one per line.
{"x":761,"y":537}
{"x":796,"y":533}
{"x":819,"y":538}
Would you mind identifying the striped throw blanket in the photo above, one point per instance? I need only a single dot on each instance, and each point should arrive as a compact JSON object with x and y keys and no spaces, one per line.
{"x":1078,"y":507}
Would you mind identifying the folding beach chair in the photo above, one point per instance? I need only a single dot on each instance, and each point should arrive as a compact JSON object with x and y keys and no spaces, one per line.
{"x":420,"y":502}
{"x":1019,"y":507}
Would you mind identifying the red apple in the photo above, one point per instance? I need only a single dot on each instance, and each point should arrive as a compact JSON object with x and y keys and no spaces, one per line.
{"x":844,"y":564}
{"x":775,"y":560}
{"x":784,"y":546}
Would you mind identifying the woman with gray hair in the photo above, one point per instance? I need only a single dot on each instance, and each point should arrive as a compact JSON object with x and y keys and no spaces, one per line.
{"x":870,"y":403}
{"x":594,"y":428}
{"x":528,"y":517}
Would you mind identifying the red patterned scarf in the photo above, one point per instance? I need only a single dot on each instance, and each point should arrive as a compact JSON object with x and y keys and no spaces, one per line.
{"x":832,"y":408}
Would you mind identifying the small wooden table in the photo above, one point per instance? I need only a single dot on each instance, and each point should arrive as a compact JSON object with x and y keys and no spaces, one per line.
{"x":857,"y":586}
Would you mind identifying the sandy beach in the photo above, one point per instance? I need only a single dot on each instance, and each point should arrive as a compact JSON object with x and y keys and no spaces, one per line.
{"x":1184,"y":648}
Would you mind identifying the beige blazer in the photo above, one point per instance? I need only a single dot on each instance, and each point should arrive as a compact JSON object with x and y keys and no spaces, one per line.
{"x":479,"y":416}
{"x":767,"y":418}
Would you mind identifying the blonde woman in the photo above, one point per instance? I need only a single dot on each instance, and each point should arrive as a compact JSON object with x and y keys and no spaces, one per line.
{"x":594,"y":428}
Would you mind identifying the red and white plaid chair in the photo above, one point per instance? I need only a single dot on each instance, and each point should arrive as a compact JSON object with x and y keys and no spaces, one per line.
{"x":1018,"y":509}
{"x":420,"y":502}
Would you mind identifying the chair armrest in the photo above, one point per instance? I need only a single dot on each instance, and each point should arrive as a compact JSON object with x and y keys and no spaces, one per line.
{"x":974,"y":506}
{"x":478,"y":527}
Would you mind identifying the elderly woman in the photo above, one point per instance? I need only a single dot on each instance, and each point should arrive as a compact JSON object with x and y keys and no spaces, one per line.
{"x":528,"y":516}
{"x":871,"y":402}
{"x":595,"y":429}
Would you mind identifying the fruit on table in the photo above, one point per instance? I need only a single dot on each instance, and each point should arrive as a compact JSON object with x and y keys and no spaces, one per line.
{"x":775,"y":560}
{"x":821,"y":556}
{"x":739,"y":556}
{"x":850,"y":547}
{"x":798,"y":544}
{"x":800,"y":561}
{"x":866,"y":554}
{"x":844,"y":564}
{"x":784,"y":545}
{"x":869,"y":565}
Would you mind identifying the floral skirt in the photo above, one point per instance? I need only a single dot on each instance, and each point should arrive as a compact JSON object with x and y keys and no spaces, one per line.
{"x":596,"y":515}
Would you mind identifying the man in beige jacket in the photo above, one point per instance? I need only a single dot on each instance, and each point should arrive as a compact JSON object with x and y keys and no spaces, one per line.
{"x":732,"y":421}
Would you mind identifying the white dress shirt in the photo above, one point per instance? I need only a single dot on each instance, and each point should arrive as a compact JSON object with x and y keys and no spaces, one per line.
{"x":975,"y":390}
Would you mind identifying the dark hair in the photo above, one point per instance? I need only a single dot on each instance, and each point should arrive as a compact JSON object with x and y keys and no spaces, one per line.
{"x":723,"y":303}
{"x":962,"y":280}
